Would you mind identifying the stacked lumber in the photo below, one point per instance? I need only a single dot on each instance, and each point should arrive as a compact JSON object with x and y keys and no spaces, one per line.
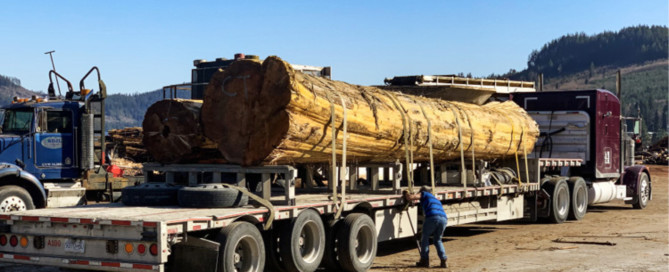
{"x":267,"y":113}
{"x":127,"y":143}
{"x":658,"y":153}
{"x":172,"y":132}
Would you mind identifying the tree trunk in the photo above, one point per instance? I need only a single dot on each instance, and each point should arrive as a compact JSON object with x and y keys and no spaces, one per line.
{"x":172,"y":132}
{"x":266,"y":113}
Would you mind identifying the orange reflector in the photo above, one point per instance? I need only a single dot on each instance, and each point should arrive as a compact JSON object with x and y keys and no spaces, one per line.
{"x":128,"y":248}
{"x":24,"y":241}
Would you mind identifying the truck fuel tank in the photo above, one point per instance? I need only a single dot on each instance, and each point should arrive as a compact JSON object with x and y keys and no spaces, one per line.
{"x":605,"y":191}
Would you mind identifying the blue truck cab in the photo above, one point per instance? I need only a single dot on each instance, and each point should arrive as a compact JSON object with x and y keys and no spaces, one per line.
{"x":51,"y":148}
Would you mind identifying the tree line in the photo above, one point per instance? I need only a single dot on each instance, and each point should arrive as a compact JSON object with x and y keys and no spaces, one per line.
{"x":581,"y":52}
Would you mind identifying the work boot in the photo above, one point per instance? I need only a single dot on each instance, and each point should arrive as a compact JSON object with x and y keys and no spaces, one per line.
{"x":423,"y":263}
{"x":443,"y":264}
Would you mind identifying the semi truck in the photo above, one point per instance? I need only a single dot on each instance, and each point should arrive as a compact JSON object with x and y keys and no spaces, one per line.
{"x":51,"y":148}
{"x":258,"y":218}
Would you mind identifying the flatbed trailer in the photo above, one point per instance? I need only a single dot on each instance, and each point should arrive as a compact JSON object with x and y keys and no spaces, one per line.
{"x":114,"y":237}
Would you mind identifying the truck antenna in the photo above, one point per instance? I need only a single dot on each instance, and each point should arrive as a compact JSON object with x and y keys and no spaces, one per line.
{"x":54,"y":66}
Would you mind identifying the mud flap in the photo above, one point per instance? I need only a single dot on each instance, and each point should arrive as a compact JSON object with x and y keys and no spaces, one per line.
{"x":543,"y":209}
{"x":194,"y":254}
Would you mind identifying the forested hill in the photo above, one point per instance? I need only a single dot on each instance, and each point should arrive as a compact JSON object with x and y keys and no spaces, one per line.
{"x":127,"y":110}
{"x":580,"y":52}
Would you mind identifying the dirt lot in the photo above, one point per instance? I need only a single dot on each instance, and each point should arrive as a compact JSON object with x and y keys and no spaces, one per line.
{"x":641,"y":239}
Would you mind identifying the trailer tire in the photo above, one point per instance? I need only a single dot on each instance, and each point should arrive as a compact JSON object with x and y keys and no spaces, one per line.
{"x":273,"y":261}
{"x":211,"y":195}
{"x":330,"y":261}
{"x":579,"y":198}
{"x":357,"y":243}
{"x":303,"y":242}
{"x":643,"y":192}
{"x":15,"y":198}
{"x":150,"y":194}
{"x":559,"y":206}
{"x":242,"y":248}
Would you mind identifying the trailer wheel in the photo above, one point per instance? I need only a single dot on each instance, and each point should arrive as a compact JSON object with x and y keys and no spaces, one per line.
{"x":150,"y":194}
{"x":559,"y":191}
{"x":242,"y":248}
{"x":303,"y":242}
{"x":14,"y":198}
{"x":330,"y":261}
{"x":273,"y":261}
{"x":643,"y":192}
{"x":211,"y":196}
{"x":357,"y":242}
{"x":579,"y":198}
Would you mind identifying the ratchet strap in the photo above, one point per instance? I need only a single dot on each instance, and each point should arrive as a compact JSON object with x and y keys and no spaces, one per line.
{"x":463,"y":172}
{"x":406,"y":126}
{"x":429,"y":142}
{"x":263,"y":202}
{"x":340,"y":202}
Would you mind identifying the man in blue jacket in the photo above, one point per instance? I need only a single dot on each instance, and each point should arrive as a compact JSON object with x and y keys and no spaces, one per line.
{"x":434,"y":225}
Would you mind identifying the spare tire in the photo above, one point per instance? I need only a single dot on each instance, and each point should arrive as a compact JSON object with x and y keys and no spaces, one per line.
{"x":150,"y":194}
{"x":211,"y":195}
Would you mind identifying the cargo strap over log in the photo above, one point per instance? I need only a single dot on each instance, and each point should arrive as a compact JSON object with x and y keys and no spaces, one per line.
{"x":267,"y":113}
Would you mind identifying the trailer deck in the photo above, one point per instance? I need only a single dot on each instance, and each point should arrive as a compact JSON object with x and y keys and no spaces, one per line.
{"x":200,"y":219}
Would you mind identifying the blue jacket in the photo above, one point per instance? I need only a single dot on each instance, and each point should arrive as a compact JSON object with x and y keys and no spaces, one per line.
{"x":431,"y":205}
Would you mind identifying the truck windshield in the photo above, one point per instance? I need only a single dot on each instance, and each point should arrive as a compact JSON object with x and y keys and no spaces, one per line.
{"x":17,"y":121}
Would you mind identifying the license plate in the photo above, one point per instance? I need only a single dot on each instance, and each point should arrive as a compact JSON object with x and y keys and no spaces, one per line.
{"x":76,"y":246}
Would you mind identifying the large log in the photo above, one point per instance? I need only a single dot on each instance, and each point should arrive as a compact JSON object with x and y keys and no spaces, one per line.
{"x":172,"y":132}
{"x":267,"y":113}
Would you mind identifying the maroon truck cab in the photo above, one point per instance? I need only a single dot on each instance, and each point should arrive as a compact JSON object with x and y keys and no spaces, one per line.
{"x":603,"y":109}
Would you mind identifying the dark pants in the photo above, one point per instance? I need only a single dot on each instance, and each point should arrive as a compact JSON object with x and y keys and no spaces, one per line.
{"x":433,"y":226}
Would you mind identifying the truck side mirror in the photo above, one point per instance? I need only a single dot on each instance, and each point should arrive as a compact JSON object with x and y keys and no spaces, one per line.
{"x":637,"y":127}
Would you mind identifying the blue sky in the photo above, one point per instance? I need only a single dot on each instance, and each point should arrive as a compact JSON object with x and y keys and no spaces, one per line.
{"x":143,"y":45}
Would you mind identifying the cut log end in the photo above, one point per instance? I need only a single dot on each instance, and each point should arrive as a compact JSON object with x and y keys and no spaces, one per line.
{"x":245,"y":110}
{"x":172,"y":130}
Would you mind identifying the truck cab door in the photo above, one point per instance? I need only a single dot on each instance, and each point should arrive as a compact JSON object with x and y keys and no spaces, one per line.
{"x":54,"y":140}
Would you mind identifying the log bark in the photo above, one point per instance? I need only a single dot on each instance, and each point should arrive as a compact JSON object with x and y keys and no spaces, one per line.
{"x":172,"y":132}
{"x":267,"y":113}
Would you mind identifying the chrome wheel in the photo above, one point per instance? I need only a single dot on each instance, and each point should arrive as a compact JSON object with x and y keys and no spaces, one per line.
{"x":643,"y":192}
{"x":364,"y":244}
{"x":309,"y":242}
{"x":563,"y":201}
{"x":247,"y":254}
{"x":12,"y":204}
{"x":581,"y":200}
